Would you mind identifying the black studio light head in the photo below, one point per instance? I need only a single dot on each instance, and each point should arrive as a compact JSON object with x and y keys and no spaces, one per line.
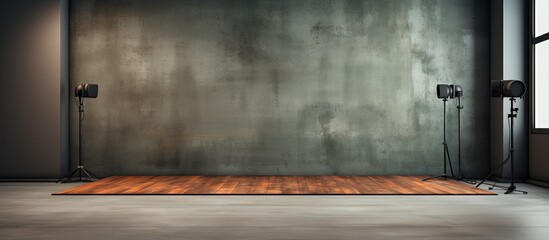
{"x":508,"y":88}
{"x":86,"y":90}
{"x":449,"y":91}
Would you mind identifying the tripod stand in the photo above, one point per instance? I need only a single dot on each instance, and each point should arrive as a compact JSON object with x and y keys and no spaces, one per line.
{"x":512,"y":115}
{"x":461,"y":174}
{"x":80,"y":174}
{"x":444,"y":175}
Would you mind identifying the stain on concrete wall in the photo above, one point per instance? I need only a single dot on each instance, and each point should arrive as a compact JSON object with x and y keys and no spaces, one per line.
{"x":279,"y":87}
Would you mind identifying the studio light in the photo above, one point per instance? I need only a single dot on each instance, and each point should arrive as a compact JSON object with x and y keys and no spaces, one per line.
{"x":449,"y":91}
{"x":86,"y":90}
{"x":508,"y":88}
{"x":80,"y":174}
{"x":458,"y":91}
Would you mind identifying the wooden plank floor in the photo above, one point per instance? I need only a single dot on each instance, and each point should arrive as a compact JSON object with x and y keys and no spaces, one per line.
{"x":182,"y":185}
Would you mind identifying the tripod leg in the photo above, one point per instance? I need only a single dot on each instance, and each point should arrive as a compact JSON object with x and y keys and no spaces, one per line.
{"x":95,"y":176}
{"x":463,"y":177}
{"x":493,"y":171}
{"x":509,"y":189}
{"x":444,"y":176}
{"x":88,"y":175}
{"x":68,"y":177}
{"x":449,"y":161}
{"x":429,"y":178}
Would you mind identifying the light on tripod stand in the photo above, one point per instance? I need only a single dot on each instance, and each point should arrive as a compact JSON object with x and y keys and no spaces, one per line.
{"x":511,"y":89}
{"x":445,"y":91}
{"x":80,"y":173}
{"x":461,"y":176}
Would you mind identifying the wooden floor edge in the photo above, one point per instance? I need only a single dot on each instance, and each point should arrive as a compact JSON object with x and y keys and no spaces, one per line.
{"x":274,"y":185}
{"x":271,"y":194}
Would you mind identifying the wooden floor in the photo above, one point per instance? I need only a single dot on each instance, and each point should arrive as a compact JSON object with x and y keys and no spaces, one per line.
{"x":371,"y":185}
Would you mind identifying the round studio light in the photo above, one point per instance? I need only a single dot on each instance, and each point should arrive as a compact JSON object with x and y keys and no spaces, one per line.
{"x":86,"y":90}
{"x":508,"y":88}
{"x":449,"y":91}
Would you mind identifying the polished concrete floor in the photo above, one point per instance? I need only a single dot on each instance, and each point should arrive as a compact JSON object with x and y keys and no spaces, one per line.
{"x":28,"y":211}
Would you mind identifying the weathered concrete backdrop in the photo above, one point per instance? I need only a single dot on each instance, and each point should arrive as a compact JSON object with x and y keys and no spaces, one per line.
{"x":279,"y":87}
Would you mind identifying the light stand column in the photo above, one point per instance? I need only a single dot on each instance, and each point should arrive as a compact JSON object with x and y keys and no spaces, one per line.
{"x":446,"y":153}
{"x":512,"y":115}
{"x":460,"y":171}
{"x":88,"y":176}
{"x":80,"y":119}
{"x":461,"y":174}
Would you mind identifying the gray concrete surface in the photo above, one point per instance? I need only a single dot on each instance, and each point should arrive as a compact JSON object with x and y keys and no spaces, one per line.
{"x":28,"y":211}
{"x":279,"y":87}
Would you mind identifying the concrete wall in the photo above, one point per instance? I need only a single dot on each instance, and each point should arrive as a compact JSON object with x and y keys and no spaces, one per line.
{"x":33,"y":89}
{"x":279,"y":87}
